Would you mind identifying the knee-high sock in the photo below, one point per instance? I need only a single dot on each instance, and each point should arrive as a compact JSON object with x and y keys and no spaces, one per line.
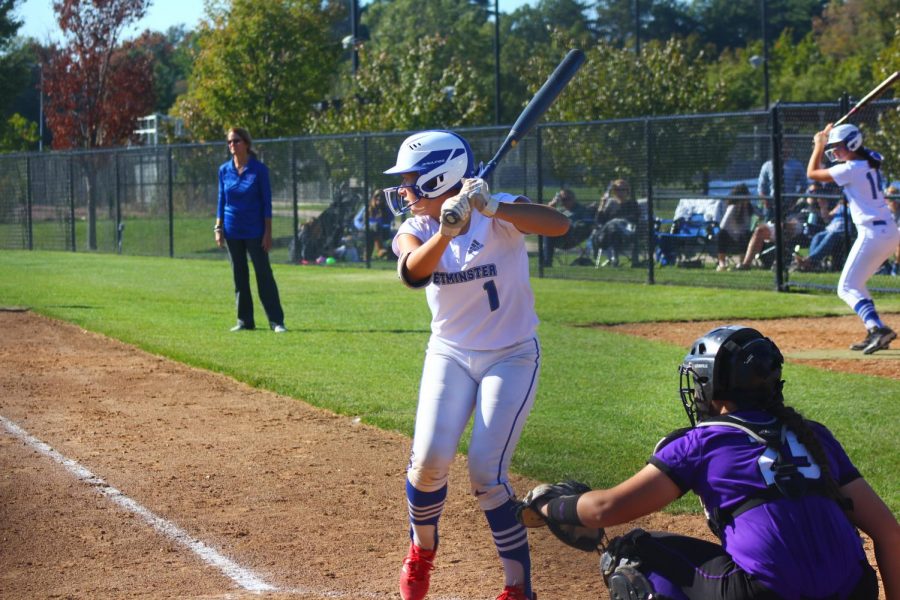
{"x":866,"y":311}
{"x":425,"y":509}
{"x":511,"y":539}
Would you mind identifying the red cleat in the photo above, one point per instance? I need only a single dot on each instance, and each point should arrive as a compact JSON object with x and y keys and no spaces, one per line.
{"x":515,"y":592}
{"x":415,"y":574}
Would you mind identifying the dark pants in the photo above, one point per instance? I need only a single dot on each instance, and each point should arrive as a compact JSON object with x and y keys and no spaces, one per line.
{"x":265,"y":282}
{"x":684,"y":567}
{"x":728,"y":243}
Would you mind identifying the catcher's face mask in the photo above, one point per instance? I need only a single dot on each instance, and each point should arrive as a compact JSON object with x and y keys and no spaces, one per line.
{"x":691,"y":384}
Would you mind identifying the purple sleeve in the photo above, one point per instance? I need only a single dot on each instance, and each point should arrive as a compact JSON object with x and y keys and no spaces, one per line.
{"x":678,"y":456}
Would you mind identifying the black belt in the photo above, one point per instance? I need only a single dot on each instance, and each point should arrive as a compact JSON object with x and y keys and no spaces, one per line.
{"x":879,"y":222}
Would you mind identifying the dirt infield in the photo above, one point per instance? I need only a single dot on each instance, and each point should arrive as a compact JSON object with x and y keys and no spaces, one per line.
{"x":821,"y":342}
{"x":129,"y":475}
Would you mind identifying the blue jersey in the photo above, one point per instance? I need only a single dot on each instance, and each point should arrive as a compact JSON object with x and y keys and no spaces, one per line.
{"x":245,"y":200}
{"x":799,"y":548}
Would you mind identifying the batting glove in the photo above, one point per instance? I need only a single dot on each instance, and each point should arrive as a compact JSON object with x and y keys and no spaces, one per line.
{"x":455,"y":213}
{"x":479,"y":196}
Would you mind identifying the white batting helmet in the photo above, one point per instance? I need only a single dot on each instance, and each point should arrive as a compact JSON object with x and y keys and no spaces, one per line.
{"x":441,"y":159}
{"x":846,"y":135}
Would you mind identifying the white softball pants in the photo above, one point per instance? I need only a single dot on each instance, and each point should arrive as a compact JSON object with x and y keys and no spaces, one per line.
{"x":499,"y":388}
{"x":874,"y":244}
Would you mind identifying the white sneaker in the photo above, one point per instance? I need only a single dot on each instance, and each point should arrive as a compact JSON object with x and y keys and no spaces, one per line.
{"x":279,"y":329}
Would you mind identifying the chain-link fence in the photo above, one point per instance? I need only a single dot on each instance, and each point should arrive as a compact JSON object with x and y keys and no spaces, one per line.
{"x":681,"y":176}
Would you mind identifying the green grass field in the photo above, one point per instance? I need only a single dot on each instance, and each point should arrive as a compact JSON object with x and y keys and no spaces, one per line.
{"x":357,"y":338}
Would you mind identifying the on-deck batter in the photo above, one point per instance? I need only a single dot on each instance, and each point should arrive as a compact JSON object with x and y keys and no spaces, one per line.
{"x":483,"y":357}
{"x":858,"y":172}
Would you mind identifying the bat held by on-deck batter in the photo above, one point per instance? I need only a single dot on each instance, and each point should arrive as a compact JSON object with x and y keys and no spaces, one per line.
{"x":879,"y":89}
{"x":532,"y":112}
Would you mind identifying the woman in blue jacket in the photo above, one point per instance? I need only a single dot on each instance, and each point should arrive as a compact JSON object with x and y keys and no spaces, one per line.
{"x":244,"y":225}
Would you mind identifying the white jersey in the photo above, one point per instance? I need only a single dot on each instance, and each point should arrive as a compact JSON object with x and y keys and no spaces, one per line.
{"x":479,"y":294}
{"x":862,"y":186}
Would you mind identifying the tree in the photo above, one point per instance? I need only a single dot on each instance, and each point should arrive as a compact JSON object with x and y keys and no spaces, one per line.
{"x":730,"y":24}
{"x":171,"y":66}
{"x":18,"y":134}
{"x":614,"y":84}
{"x":400,"y":26}
{"x":8,"y":24}
{"x":405,"y":91}
{"x":260,"y":65}
{"x":400,"y":91}
{"x":616,"y":22}
{"x":17,"y":69}
{"x":886,"y":137}
{"x":530,"y":31}
{"x":95,"y":89}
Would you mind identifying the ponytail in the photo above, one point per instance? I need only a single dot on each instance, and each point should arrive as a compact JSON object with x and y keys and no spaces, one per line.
{"x":800,"y":426}
{"x":874,"y":158}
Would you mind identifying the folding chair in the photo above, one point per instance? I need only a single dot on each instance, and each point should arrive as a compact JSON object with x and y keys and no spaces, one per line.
{"x":573,"y":241}
{"x":690,"y":234}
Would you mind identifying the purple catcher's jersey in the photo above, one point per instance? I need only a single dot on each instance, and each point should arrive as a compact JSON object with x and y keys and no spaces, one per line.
{"x":800,"y":548}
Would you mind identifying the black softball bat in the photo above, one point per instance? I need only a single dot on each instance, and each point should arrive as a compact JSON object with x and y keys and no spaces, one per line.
{"x":535,"y":109}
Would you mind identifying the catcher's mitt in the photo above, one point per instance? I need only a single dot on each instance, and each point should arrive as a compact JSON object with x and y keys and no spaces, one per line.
{"x":528,"y":513}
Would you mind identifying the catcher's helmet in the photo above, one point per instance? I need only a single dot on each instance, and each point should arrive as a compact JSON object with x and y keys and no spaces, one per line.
{"x":848,"y":136}
{"x":730,"y":363}
{"x":440,"y":159}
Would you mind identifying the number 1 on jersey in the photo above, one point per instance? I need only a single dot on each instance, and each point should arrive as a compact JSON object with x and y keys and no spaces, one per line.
{"x":493,"y":298}
{"x":875,"y":185}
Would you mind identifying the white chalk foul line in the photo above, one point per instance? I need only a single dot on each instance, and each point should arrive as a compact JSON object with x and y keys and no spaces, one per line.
{"x":240,"y":575}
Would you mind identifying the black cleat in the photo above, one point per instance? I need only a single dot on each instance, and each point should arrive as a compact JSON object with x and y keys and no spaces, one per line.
{"x":881,"y":340}
{"x":865,"y":343}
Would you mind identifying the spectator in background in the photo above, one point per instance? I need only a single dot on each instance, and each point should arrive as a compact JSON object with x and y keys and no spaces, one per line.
{"x":616,"y":221}
{"x":734,"y":229}
{"x":793,"y":182}
{"x":824,"y":243}
{"x":381,"y":221}
{"x":565,"y":202}
{"x":892,"y":194}
{"x":244,"y":225}
{"x":792,"y":226}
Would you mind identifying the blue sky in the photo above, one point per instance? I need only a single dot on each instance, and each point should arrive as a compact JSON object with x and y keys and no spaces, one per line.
{"x":39,"y":21}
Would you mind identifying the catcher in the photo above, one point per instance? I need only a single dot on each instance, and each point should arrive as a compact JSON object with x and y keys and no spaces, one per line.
{"x":778,"y":490}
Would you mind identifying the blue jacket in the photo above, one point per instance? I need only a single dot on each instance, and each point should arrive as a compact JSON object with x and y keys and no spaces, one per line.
{"x":245,"y":200}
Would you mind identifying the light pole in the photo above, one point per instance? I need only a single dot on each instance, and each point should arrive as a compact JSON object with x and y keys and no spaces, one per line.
{"x":354,"y":33}
{"x":496,"y":62}
{"x":637,"y":28}
{"x":765,"y":41}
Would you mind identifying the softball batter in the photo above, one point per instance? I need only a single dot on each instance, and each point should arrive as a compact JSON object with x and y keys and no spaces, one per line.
{"x":483,"y":357}
{"x":858,"y":172}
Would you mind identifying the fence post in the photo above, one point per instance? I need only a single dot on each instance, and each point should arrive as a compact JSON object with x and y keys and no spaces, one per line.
{"x":540,"y":195}
{"x":778,"y":185}
{"x":171,"y":199}
{"x":295,"y":257}
{"x":120,"y":226}
{"x":366,"y":195}
{"x":29,"y":202}
{"x":72,"y":201}
{"x":651,"y":218}
{"x":845,"y":242}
